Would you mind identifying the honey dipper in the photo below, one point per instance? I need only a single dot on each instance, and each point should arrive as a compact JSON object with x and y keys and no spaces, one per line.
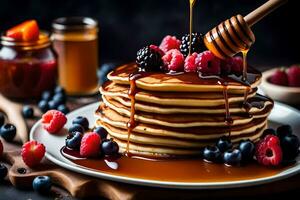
{"x":234,"y":35}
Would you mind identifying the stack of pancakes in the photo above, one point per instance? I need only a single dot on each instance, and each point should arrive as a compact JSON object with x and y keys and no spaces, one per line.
{"x":178,"y":114}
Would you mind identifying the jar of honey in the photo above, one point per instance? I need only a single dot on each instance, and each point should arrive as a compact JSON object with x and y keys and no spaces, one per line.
{"x":27,"y":68}
{"x":75,"y":39}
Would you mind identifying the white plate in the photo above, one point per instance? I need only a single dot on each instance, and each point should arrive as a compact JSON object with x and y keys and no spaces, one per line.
{"x":281,"y":114}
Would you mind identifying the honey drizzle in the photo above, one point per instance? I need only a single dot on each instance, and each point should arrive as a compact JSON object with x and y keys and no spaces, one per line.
{"x":192,"y":3}
{"x":244,"y":53}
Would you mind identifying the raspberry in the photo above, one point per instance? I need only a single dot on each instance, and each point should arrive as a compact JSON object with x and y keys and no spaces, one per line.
{"x":226,"y":66}
{"x":236,"y":65}
{"x":32,"y":153}
{"x":1,"y":149}
{"x":208,"y":63}
{"x":268,"y":151}
{"x":169,"y":42}
{"x":190,"y":63}
{"x":173,"y":60}
{"x":53,"y":121}
{"x":90,"y":145}
{"x":293,"y":74}
{"x":279,"y":77}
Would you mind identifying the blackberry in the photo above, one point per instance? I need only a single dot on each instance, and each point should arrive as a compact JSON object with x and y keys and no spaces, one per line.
{"x":149,"y":59}
{"x":197,"y":44}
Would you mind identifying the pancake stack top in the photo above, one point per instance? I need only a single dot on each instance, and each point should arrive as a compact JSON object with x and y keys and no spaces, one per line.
{"x":174,"y":115}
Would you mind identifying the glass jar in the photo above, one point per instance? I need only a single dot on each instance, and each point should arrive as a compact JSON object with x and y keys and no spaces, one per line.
{"x":75,"y":39}
{"x":27,"y":68}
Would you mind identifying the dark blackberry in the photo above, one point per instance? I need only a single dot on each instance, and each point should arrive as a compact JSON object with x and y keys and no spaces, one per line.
{"x":197,"y":44}
{"x":149,"y":59}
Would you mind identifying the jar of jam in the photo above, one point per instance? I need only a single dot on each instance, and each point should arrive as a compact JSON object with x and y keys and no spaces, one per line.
{"x":27,"y":68}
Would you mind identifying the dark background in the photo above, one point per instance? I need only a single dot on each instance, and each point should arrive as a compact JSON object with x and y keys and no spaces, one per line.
{"x":126,"y":26}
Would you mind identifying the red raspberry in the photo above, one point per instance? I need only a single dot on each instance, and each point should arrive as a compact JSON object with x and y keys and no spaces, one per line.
{"x":236,"y":65}
{"x":173,"y":60}
{"x":32,"y":153}
{"x":293,"y":74}
{"x":169,"y":42}
{"x":226,"y":66}
{"x":90,"y":145}
{"x":268,"y":151}
{"x":208,"y":63}
{"x":190,"y":63}
{"x":53,"y":121}
{"x":279,"y":77}
{"x":157,"y":49}
{"x":1,"y":149}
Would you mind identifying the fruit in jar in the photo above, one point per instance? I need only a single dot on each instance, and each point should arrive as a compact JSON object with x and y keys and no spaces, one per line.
{"x":27,"y":31}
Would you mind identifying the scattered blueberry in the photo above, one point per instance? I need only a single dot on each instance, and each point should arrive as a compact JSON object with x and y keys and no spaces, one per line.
{"x":42,"y":184}
{"x":53,"y":105}
{"x":76,"y":128}
{"x":3,"y":171}
{"x":2,"y":119}
{"x":73,"y":140}
{"x":232,"y":157}
{"x":247,"y":148}
{"x":109,"y":147}
{"x":59,"y":90}
{"x":283,"y":131}
{"x":59,"y":98}
{"x":268,"y":131}
{"x":290,"y":146}
{"x":224,"y":144}
{"x":101,"y":131}
{"x":104,"y":70}
{"x":43,"y":106}
{"x":211,"y":153}
{"x":27,"y":111}
{"x":8,"y":132}
{"x":46,"y":95}
{"x":83,"y":121}
{"x":63,"y":108}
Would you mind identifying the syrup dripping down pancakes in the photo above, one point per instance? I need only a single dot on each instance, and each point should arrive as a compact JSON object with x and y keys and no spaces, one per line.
{"x":175,"y":115}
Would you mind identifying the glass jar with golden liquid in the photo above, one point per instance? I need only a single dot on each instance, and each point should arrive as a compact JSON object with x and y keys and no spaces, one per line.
{"x":75,"y":39}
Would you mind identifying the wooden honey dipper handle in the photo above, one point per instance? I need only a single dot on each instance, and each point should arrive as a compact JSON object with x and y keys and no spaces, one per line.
{"x":259,"y":13}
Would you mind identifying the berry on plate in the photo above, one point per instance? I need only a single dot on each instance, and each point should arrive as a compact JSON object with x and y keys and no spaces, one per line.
{"x":283,"y":131}
{"x":27,"y":31}
{"x":247,"y":149}
{"x":197,"y":44}
{"x":290,"y":146}
{"x":279,"y":77}
{"x":83,"y":121}
{"x":3,"y":171}
{"x":76,"y":128}
{"x":173,"y":60}
{"x":169,"y":42}
{"x":73,"y":140}
{"x":109,"y":147}
{"x":32,"y":153}
{"x":42,"y":184}
{"x":268,"y":151}
{"x":46,"y":95}
{"x":43,"y":106}
{"x":293,"y":74}
{"x":63,"y":108}
{"x":27,"y":111}
{"x":101,"y":131}
{"x":232,"y":157}
{"x":8,"y":132}
{"x":212,"y":154}
{"x":53,"y":121}
{"x":208,"y":63}
{"x":224,"y":144}
{"x":90,"y":145}
{"x":149,"y":58}
{"x":59,"y":90}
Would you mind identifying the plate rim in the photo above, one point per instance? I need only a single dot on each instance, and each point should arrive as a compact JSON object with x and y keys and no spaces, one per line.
{"x":168,"y":184}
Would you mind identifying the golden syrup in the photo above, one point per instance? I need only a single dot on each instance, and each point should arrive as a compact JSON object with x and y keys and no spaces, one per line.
{"x":192,"y":3}
{"x":244,"y":54}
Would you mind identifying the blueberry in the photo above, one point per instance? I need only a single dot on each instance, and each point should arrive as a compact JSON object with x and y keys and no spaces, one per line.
{"x":283,"y":131}
{"x":212,"y":154}
{"x":43,"y":106}
{"x":2,"y":119}
{"x":109,"y":147}
{"x":42,"y":184}
{"x":104,"y":70}
{"x":59,"y":90}
{"x":27,"y":111}
{"x":53,"y":105}
{"x":83,"y":121}
{"x":247,"y":148}
{"x":59,"y":98}
{"x":232,"y":157}
{"x":63,"y":108}
{"x":46,"y":95}
{"x":290,"y":146}
{"x":76,"y":128}
{"x":3,"y":171}
{"x":8,"y":132}
{"x":224,"y":144}
{"x":268,"y":131}
{"x":73,"y":140}
{"x":101,"y":131}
